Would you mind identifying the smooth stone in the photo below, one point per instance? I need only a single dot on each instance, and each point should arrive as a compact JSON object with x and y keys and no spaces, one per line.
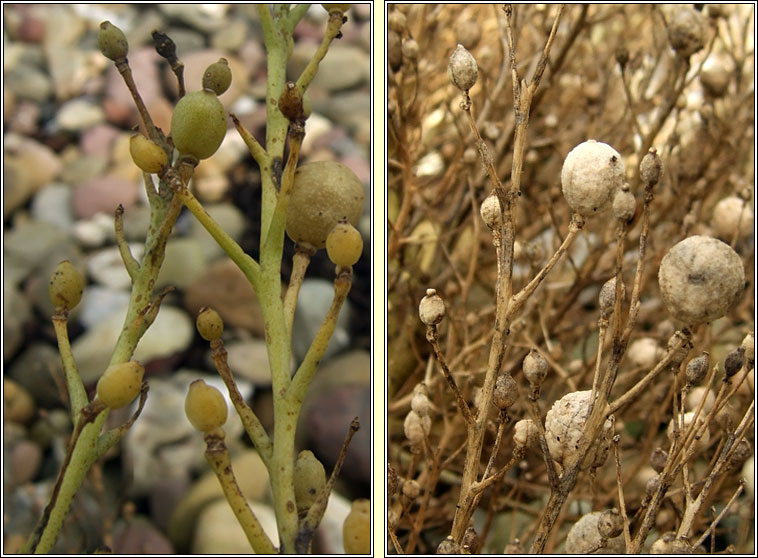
{"x":98,"y":140}
{"x":138,"y":536}
{"x":83,"y":167}
{"x":18,"y":404}
{"x":231,"y":219}
{"x":313,"y":302}
{"x":344,"y":67}
{"x":103,"y":194}
{"x":16,"y":312}
{"x":231,"y":36}
{"x":249,"y":358}
{"x":99,"y":303}
{"x":28,"y":82}
{"x":203,"y":17}
{"x":137,"y":223}
{"x":34,"y":368}
{"x":183,"y":263}
{"x":31,"y":244}
{"x":94,"y":232}
{"x":348,"y":108}
{"x":316,"y":127}
{"x":52,"y":204}
{"x":79,"y":114}
{"x":107,"y":268}
{"x":27,"y":166}
{"x":25,"y":459}
{"x":219,"y":532}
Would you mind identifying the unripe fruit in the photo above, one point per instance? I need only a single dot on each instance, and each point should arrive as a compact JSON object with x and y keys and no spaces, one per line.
{"x":462,"y":69}
{"x":342,"y":8}
{"x":209,"y":324}
{"x":147,"y":154}
{"x":120,"y":384}
{"x":66,"y":286}
{"x":111,"y":41}
{"x":700,"y":279}
{"x":592,"y":173}
{"x":217,"y":76}
{"x":309,"y":478}
{"x":323,"y":193}
{"x":198,"y":125}
{"x":431,"y":309}
{"x":356,"y":530}
{"x":205,"y":406}
{"x":344,"y":244}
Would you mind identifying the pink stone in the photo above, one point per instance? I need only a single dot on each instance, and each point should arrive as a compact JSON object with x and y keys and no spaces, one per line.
{"x":103,"y":194}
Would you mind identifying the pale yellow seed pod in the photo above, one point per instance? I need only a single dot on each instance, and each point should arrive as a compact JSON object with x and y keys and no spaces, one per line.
{"x":356,"y":530}
{"x":344,"y":244}
{"x":147,"y":154}
{"x":205,"y":406}
{"x":309,"y":479}
{"x":120,"y":384}
{"x":209,"y":324}
{"x":66,"y":286}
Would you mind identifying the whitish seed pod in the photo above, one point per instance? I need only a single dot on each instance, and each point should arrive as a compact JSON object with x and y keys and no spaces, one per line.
{"x":309,"y":479}
{"x":420,"y":400}
{"x":584,"y":538}
{"x":700,"y":393}
{"x":431,"y":309}
{"x":120,"y":384}
{"x":664,"y":544}
{"x":396,"y":21}
{"x":506,"y":392}
{"x":146,"y":154}
{"x":344,"y":244}
{"x":741,"y":452}
{"x":526,"y":434}
{"x":651,"y":168}
{"x":610,"y":524}
{"x":462,"y":69}
{"x":608,"y":295}
{"x":686,"y":30}
{"x":209,"y":324}
{"x":749,"y":343}
{"x":715,"y":77}
{"x":645,"y":352}
{"x":705,"y":435}
{"x":416,"y":427}
{"x":112,"y":42}
{"x":356,"y":530}
{"x":66,"y":286}
{"x":652,"y":484}
{"x":411,"y":489}
{"x":514,"y":547}
{"x":535,"y":368}
{"x":681,"y":546}
{"x":490,"y":212}
{"x":449,"y":546}
{"x":218,"y":76}
{"x":205,"y":406}
{"x":198,"y":124}
{"x":700,"y":279}
{"x":410,"y":49}
{"x":563,"y":430}
{"x":658,"y":458}
{"x":624,"y":205}
{"x":734,"y":361}
{"x":732,"y":216}
{"x":697,"y":368}
{"x":592,"y":173}
{"x":748,"y":473}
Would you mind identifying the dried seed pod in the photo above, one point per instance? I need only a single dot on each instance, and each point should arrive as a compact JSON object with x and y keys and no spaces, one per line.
{"x":209,"y":324}
{"x":681,"y":546}
{"x":394,"y":50}
{"x":686,"y":31}
{"x":732,"y":216}
{"x":700,"y":279}
{"x":431,"y":309}
{"x":505,"y":393}
{"x":416,"y":427}
{"x":490,"y":212}
{"x":120,"y":384}
{"x":449,"y":546}
{"x":411,"y":489}
{"x":420,"y":400}
{"x":218,"y":76}
{"x":535,"y":368}
{"x":741,"y":452}
{"x":705,"y":435}
{"x":610,"y":524}
{"x":526,"y":434}
{"x":514,"y":547}
{"x":734,"y":361}
{"x":624,"y":205}
{"x":462,"y":69}
{"x":470,"y":538}
{"x":592,"y":173}
{"x":652,"y":484}
{"x":584,"y":537}
{"x":697,"y":368}
{"x":112,"y":42}
{"x":651,"y":168}
{"x":410,"y":49}
{"x":396,"y":21}
{"x":291,"y":102}
{"x":664,"y":544}
{"x":645,"y":352}
{"x":658,"y":458}
{"x":608,"y":296}
{"x":694,"y":397}
{"x":468,"y":32}
{"x":66,"y":286}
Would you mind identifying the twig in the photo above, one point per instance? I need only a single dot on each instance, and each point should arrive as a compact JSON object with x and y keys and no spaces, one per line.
{"x":433,"y":336}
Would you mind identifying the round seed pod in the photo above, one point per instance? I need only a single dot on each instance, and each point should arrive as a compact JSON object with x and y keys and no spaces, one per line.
{"x":344,"y":244}
{"x":449,"y":546}
{"x":535,"y":368}
{"x":209,"y":324}
{"x":506,"y":392}
{"x":584,"y":536}
{"x":705,"y":437}
{"x":218,"y":76}
{"x":411,"y":489}
{"x":715,"y":78}
{"x":741,"y":452}
{"x":147,"y":154}
{"x":490,"y":212}
{"x":734,"y":361}
{"x":686,"y":30}
{"x":120,"y":384}
{"x":420,"y":400}
{"x":205,"y":406}
{"x":610,"y":524}
{"x":470,"y":538}
{"x":356,"y":530}
{"x":664,"y":544}
{"x":309,"y":478}
{"x":514,"y":547}
{"x":651,"y":167}
{"x":416,"y":427}
{"x":652,"y":484}
{"x":341,"y":8}
{"x":112,"y":42}
{"x":749,"y":343}
{"x":732,"y":215}
{"x":394,"y":50}
{"x":462,"y":69}
{"x":198,"y":124}
{"x":66,"y":286}
{"x":624,"y":205}
{"x":658,"y":459}
{"x":700,"y":279}
{"x":563,"y":430}
{"x":592,"y":174}
{"x":323,"y":193}
{"x":645,"y":352}
{"x":692,"y":401}
{"x":410,"y":49}
{"x":526,"y":434}
{"x":608,"y":295}
{"x":697,"y":368}
{"x":431,"y":309}
{"x":396,"y":21}
{"x":681,"y":546}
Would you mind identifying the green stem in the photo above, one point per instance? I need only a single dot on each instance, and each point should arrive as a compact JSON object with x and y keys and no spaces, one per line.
{"x":76,"y":392}
{"x":300,"y":261}
{"x":332,"y":31}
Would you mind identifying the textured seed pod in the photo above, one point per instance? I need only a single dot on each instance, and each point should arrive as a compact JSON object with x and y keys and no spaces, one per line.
{"x":734,"y":361}
{"x":198,"y":124}
{"x":410,"y":49}
{"x":344,"y":244}
{"x":686,"y":30}
{"x":664,"y":544}
{"x":394,"y":50}
{"x":205,"y":406}
{"x":470,"y":538}
{"x":66,"y":286}
{"x":112,"y":42}
{"x":420,"y":400}
{"x":697,"y":368}
{"x":645,"y":352}
{"x":705,"y":436}
{"x":610,"y":524}
{"x":393,"y":481}
{"x":323,"y":193}
{"x":680,"y":353}
{"x":146,"y":154}
{"x":490,"y":212}
{"x":749,"y":343}
{"x":526,"y":434}
{"x":652,"y":484}
{"x":209,"y":324}
{"x":651,"y":168}
{"x":535,"y":368}
{"x":692,"y":401}
{"x":449,"y":546}
{"x":416,"y":427}
{"x":608,"y":295}
{"x":728,"y":417}
{"x":732,"y":215}
{"x":700,"y":279}
{"x":309,"y":478}
{"x":506,"y":391}
{"x":120,"y":384}
{"x":741,"y":452}
{"x":584,"y":538}
{"x":592,"y":173}
{"x":658,"y":459}
{"x":396,"y":21}
{"x":563,"y":430}
{"x":468,"y":32}
{"x":624,"y":205}
{"x":411,"y":489}
{"x":356,"y":530}
{"x":681,"y":546}
{"x":431,"y":309}
{"x":462,"y":69}
{"x":514,"y":547}
{"x":218,"y":76}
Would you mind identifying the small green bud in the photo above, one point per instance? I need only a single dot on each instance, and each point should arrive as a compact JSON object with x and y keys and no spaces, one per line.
{"x":198,"y":125}
{"x":112,"y":42}
{"x":217,"y":76}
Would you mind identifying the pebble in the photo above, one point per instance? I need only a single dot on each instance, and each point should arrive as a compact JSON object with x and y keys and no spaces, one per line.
{"x":103,"y":194}
{"x":107,"y":268}
{"x":79,"y":114}
{"x":82,"y":167}
{"x":218,"y":531}
{"x":16,"y":312}
{"x":229,"y":217}
{"x":231,"y":36}
{"x":313,"y":302}
{"x":94,"y":232}
{"x":25,"y":459}
{"x":28,"y":82}
{"x":30,"y":244}
{"x":203,"y":17}
{"x":98,"y":303}
{"x":249,"y":359}
{"x":28,"y":165}
{"x":98,"y":140}
{"x":184,"y":262}
{"x":18,"y":404}
{"x":52,"y":204}
{"x":34,"y":368}
{"x":137,"y":536}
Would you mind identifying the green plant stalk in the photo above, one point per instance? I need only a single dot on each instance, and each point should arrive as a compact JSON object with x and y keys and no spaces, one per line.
{"x":76,"y":392}
{"x":332,"y":31}
{"x":300,"y":261}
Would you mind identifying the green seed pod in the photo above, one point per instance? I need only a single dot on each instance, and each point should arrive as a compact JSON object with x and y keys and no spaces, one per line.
{"x":309,"y":478}
{"x":147,"y":154}
{"x":209,"y":324}
{"x":66,"y":286}
{"x":323,"y":193}
{"x":205,"y":406}
{"x":112,"y":42}
{"x":344,"y":245}
{"x":120,"y":384}
{"x":198,"y":125}
{"x":217,"y":76}
{"x":356,"y":530}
